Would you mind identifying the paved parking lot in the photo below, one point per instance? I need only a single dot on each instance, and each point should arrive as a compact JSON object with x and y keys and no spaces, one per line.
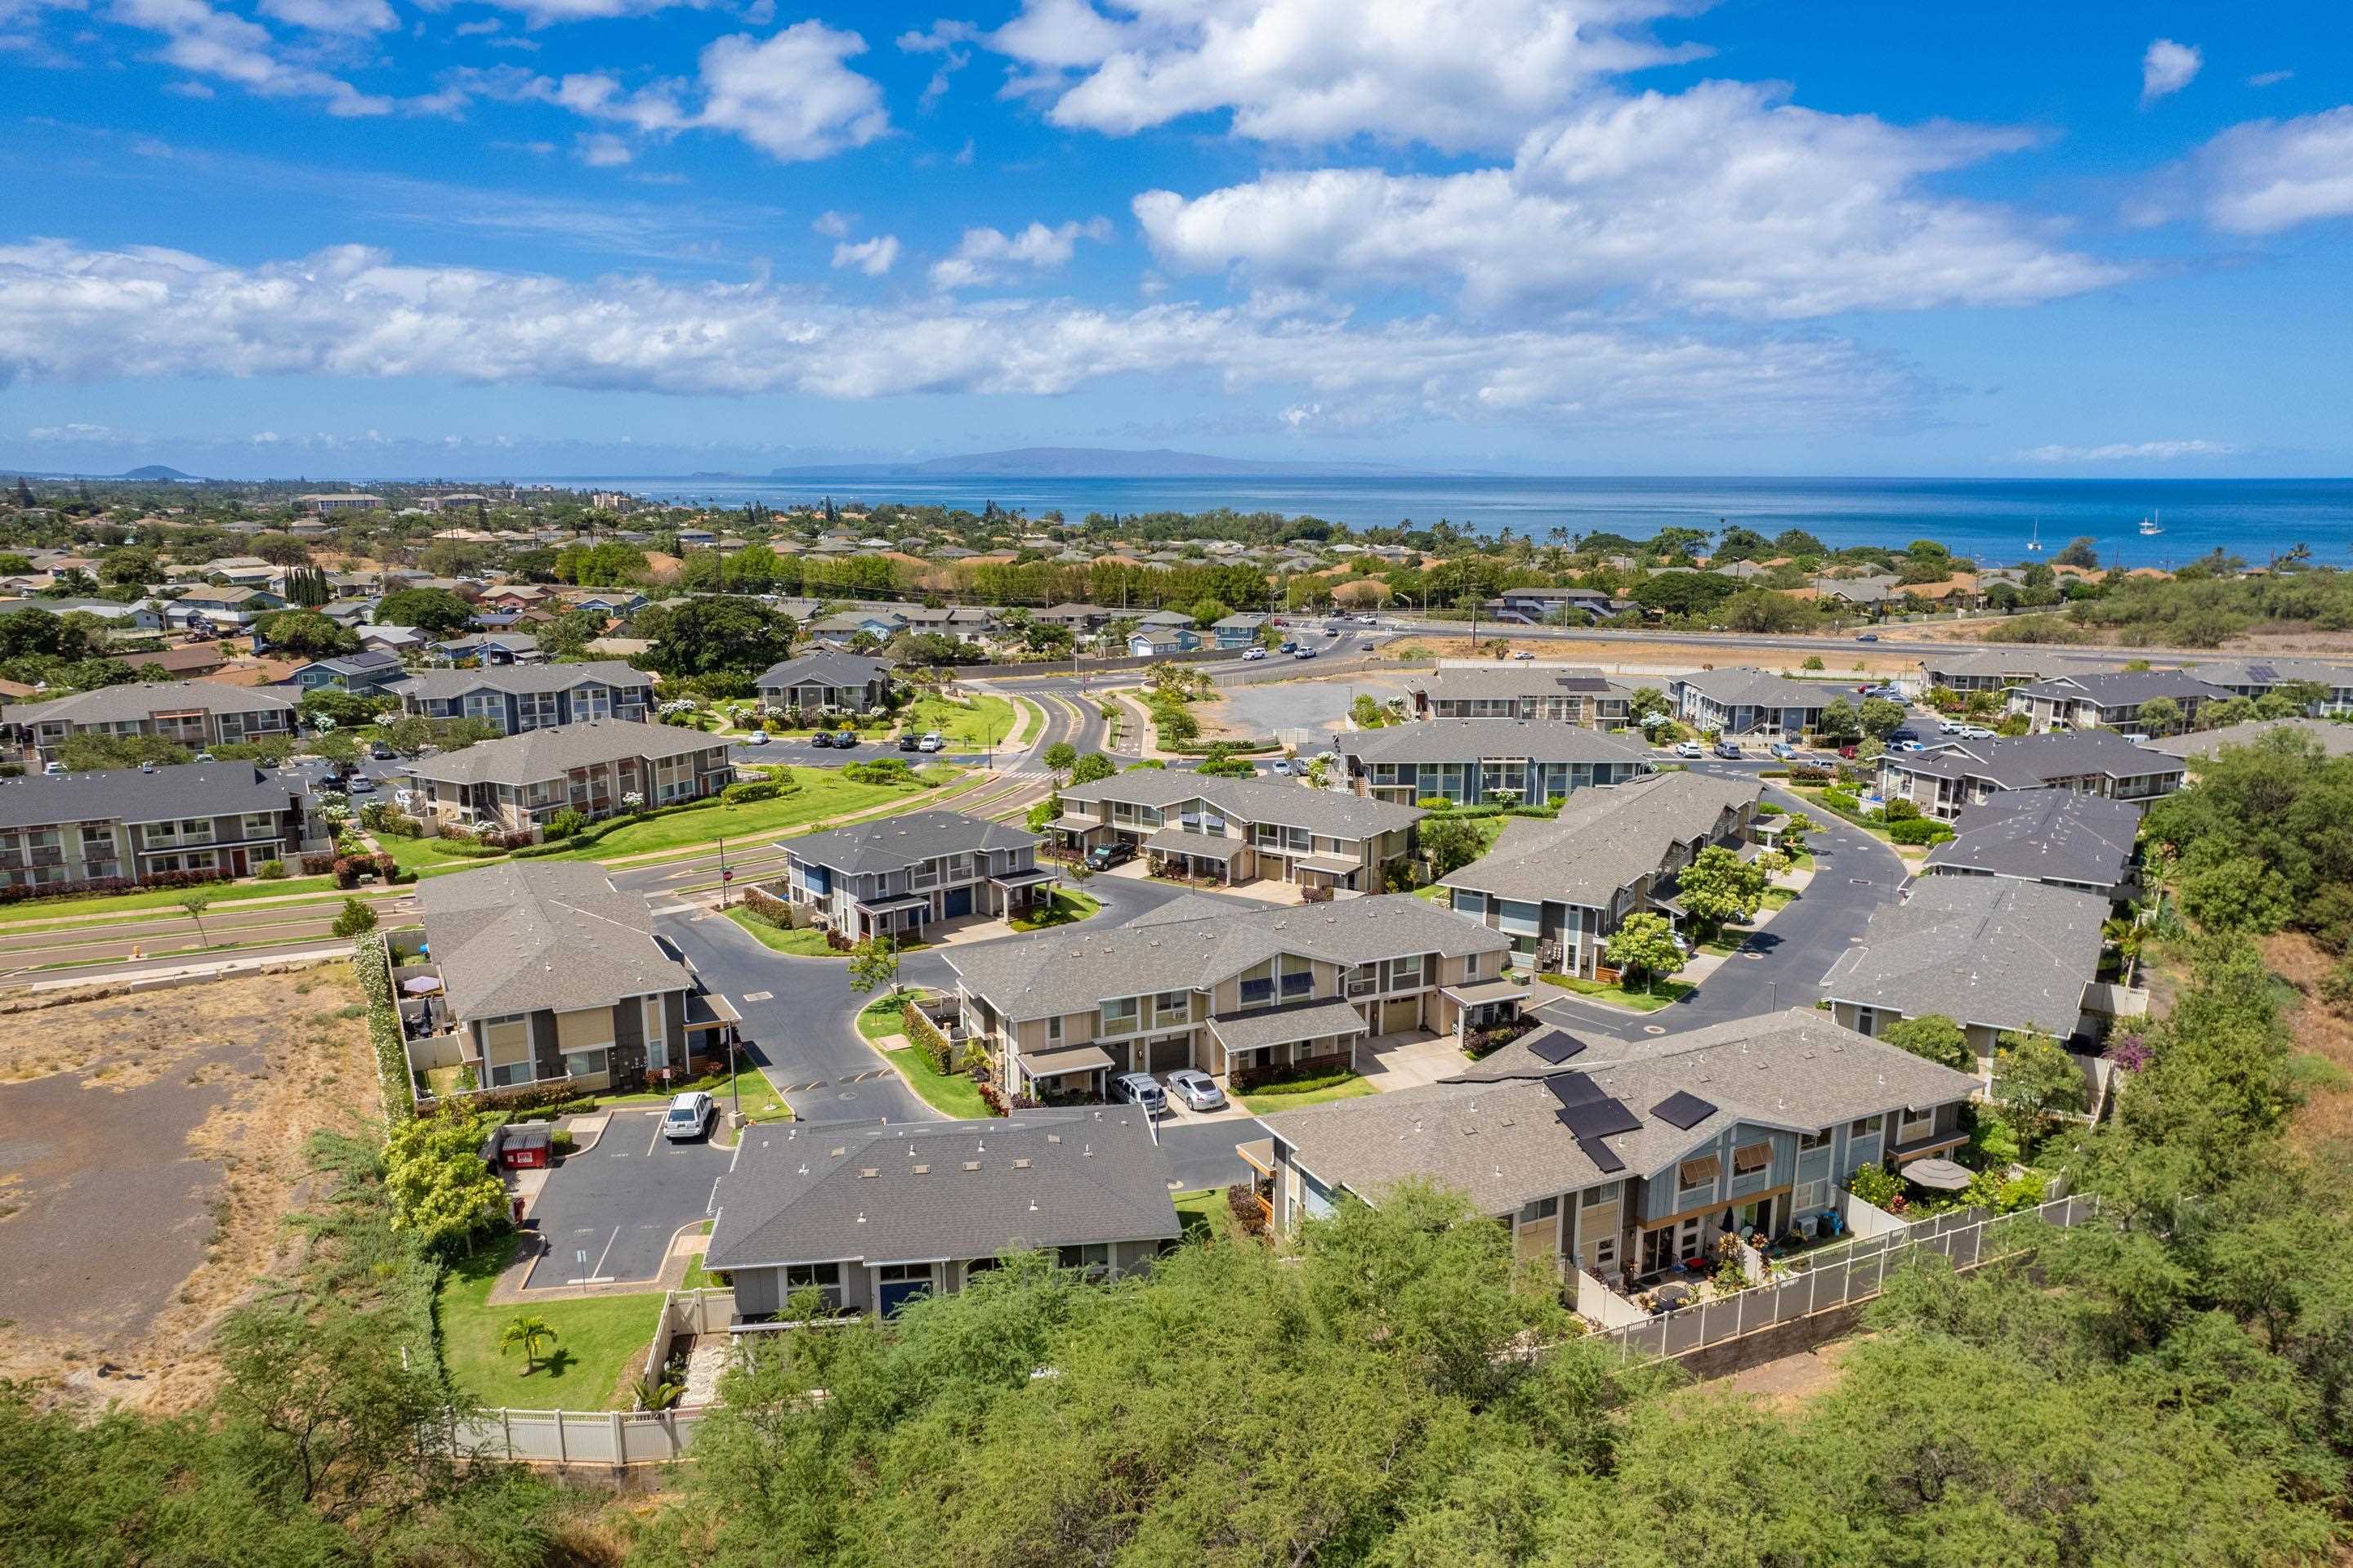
{"x":608,"y":1212}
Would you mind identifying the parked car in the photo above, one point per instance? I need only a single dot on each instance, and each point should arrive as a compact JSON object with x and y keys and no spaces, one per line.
{"x":361,"y":784}
{"x":1980,"y":731}
{"x":2131,"y":735}
{"x":1304,"y":653}
{"x":1102,"y":857}
{"x":1905,"y":732}
{"x":1281,"y":766}
{"x":1689,"y":748}
{"x":1867,"y":637}
{"x":53,"y":769}
{"x":1522,"y":654}
{"x":757,"y":737}
{"x":911,"y":741}
{"x":822,"y":737}
{"x":689,"y":1115}
{"x":1950,"y":727}
{"x":845,"y":740}
{"x":203,"y":756}
{"x":384,"y":753}
{"x":1848,"y":752}
{"x":1197,"y":1089}
{"x":1782,"y":751}
{"x":1140,"y":1089}
{"x":1727,"y":748}
{"x":1253,"y":654}
{"x":932,"y":741}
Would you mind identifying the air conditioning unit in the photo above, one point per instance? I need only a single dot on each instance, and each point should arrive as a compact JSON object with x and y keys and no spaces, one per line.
{"x":1808,"y":1224}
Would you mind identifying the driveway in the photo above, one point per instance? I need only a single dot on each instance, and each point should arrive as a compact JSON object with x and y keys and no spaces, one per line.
{"x":608,"y":1212}
{"x":1201,"y":1153}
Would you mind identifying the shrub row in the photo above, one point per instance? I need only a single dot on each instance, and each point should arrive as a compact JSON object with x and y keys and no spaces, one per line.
{"x":160,"y":879}
{"x":768,"y":906}
{"x":920,"y":1030}
{"x":373,"y":959}
{"x":1250,"y":1079}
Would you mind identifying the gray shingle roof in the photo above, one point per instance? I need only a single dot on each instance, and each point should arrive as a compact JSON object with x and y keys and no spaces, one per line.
{"x":894,"y":844}
{"x":827,"y":669}
{"x":2044,"y":836}
{"x":1469,"y":739}
{"x":1994,"y":662}
{"x":1755,"y":688}
{"x":2030,"y":761}
{"x":1281,"y":1026}
{"x":536,"y":755}
{"x":521,"y":680}
{"x":1050,"y":973}
{"x":128,"y":795}
{"x":1325,"y":812}
{"x":2128,"y":688}
{"x":542,"y":934}
{"x":1493,"y":1132}
{"x":139,"y":700}
{"x":919,"y":1193}
{"x":1603,"y":840}
{"x":2335,"y":740}
{"x":1503,"y":681}
{"x":1977,"y":949}
{"x":2272,"y":672}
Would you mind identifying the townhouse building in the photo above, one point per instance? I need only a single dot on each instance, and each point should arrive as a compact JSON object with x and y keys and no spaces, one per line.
{"x":1558,"y":890}
{"x":220,"y":608}
{"x":594,"y":767}
{"x":1945,"y":777}
{"x":1964,"y":669}
{"x":1199,"y":984}
{"x":490,"y":648}
{"x":826,"y":682}
{"x":2110,"y":701}
{"x":1560,"y":693}
{"x":1160,"y":641}
{"x":224,"y":817}
{"x":2261,"y":677}
{"x":2051,"y":836}
{"x":1239,"y":829}
{"x":1241,"y":630}
{"x":1472,"y":761}
{"x":2334,"y":739}
{"x":194,"y":713}
{"x":369,"y":670}
{"x":894,"y":876}
{"x":1617,"y":1161}
{"x":1749,"y":701}
{"x":520,"y":697}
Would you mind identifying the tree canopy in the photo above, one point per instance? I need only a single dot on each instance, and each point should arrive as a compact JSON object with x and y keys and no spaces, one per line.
{"x":716,"y":636}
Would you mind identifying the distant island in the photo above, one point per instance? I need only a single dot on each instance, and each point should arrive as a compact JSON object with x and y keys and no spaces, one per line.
{"x":1083,"y":463}
{"x":155,"y":473}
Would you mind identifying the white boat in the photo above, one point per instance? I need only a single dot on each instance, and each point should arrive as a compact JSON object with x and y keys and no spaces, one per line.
{"x":2034,"y":544}
{"x":2148,"y":526}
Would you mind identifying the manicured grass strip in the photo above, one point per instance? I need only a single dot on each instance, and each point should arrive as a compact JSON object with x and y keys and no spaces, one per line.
{"x":166,"y":899}
{"x":1312,"y":1091}
{"x":417,"y":855}
{"x":761,"y":1101}
{"x":1032,"y":719}
{"x":820,"y":795}
{"x":1204,"y":1214}
{"x":1068,"y":910}
{"x":1779,"y":897}
{"x":600,"y":1347}
{"x":986,"y":722}
{"x":810,"y":944}
{"x":950,"y":1095}
{"x":1669,"y":993}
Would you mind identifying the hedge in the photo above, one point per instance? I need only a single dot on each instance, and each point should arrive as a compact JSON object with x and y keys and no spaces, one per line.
{"x":1250,"y":1079}
{"x":919,"y":1028}
{"x":31,"y":892}
{"x":768,"y":906}
{"x":373,"y":957}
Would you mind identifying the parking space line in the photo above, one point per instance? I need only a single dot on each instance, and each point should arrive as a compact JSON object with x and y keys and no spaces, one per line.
{"x":711,"y":1205}
{"x":608,"y":1249}
{"x":656,"y":1138}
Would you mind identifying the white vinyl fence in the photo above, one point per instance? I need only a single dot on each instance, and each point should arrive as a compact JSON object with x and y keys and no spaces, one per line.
{"x":1850,"y":1272}
{"x":579,"y":1437}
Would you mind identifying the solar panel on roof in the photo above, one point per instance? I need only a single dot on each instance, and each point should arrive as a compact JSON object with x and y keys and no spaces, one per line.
{"x":1683,"y":1110}
{"x":1587,"y":1111}
{"x":2266,"y":673}
{"x":1555,"y":1046}
{"x":1604,"y":1159}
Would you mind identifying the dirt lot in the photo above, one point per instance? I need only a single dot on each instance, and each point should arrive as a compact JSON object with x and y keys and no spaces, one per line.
{"x":2327,"y":1117}
{"x":150,"y":1151}
{"x":1665,"y":658}
{"x":2280,"y":642}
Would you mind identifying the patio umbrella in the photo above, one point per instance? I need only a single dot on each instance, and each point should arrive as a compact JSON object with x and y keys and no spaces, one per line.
{"x":1671,"y":1295}
{"x":1942,"y":1174}
{"x":422,"y":985}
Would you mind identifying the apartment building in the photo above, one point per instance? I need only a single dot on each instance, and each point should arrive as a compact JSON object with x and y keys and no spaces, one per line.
{"x":593,"y":766}
{"x":894,"y":876}
{"x":2262,"y":677}
{"x":194,"y":713}
{"x":1561,"y":693}
{"x":2111,"y":701}
{"x":232,"y":607}
{"x":1619,"y":1159}
{"x":1558,"y":890}
{"x":1199,"y":984}
{"x":1991,"y":669}
{"x":2051,"y":836}
{"x":1946,"y":777}
{"x":520,"y":697}
{"x":369,"y":670}
{"x":338,"y":502}
{"x":1750,"y":702}
{"x":826,"y":682}
{"x":1239,"y":829}
{"x":1472,"y":761}
{"x":224,"y":817}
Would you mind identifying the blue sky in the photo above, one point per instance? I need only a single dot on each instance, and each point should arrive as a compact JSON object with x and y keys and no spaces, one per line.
{"x":367,"y":237}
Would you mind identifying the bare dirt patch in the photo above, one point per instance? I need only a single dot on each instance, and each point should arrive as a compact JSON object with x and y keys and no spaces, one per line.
{"x":2327,"y":1116}
{"x":150,"y":1151}
{"x":1784,"y":1385}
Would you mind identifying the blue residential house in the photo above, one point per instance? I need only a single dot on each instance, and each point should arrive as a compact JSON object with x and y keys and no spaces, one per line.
{"x":362,"y":675}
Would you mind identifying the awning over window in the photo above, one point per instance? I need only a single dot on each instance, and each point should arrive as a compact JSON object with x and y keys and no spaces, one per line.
{"x":1484,"y":992}
{"x":1063,"y":1061}
{"x":1751,"y":1157}
{"x":1201,"y":846}
{"x":1699,"y":1173}
{"x":893,"y":906}
{"x":1332,"y":864}
{"x":1068,"y":823}
{"x":1283,"y":1025}
{"x":1029,"y":878}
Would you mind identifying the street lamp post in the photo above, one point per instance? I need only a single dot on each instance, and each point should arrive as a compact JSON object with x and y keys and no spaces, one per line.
{"x":725,"y":875}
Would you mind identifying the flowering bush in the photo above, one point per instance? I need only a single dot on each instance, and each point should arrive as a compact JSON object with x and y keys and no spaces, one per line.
{"x":2130,"y":1052}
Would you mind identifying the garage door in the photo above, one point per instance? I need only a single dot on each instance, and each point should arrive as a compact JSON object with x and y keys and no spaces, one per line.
{"x":1403,"y":1014}
{"x":1167,"y":1056}
{"x":958,"y":902}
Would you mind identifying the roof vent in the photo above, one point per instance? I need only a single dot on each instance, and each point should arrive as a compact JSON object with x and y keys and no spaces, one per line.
{"x":1021,"y":1165}
{"x":1053,"y":1138}
{"x":1087,"y":1150}
{"x":866,"y":1170}
{"x":972,"y":1164}
{"x":804,"y":1167}
{"x":921,"y":1170}
{"x":836,"y":1153}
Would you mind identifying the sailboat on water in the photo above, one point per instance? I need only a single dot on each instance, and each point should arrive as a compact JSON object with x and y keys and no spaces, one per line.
{"x":2034,"y":544}
{"x":2150,"y":526}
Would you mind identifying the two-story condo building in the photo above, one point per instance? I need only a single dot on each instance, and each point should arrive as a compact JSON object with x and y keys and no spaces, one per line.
{"x":1241,"y":630}
{"x":1749,"y":701}
{"x":1238,"y":830}
{"x":517,"y":784}
{"x":1619,"y":1159}
{"x":898,"y":875}
{"x":369,"y":670}
{"x":2053,"y":836}
{"x":1199,"y":984}
{"x":224,"y":817}
{"x":194,"y":713}
{"x":828,"y":682}
{"x":1561,"y":693}
{"x":1964,"y":669}
{"x":2261,"y":677}
{"x":1945,"y":777}
{"x":1558,"y":890}
{"x":2111,"y":701}
{"x":1474,"y":760}
{"x":519,"y":697}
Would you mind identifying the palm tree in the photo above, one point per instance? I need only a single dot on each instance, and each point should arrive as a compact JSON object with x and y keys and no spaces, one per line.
{"x":529,"y":1332}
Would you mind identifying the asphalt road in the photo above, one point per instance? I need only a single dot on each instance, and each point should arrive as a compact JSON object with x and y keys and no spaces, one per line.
{"x":608,"y":1212}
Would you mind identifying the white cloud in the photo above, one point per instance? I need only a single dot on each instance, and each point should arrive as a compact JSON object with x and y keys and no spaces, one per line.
{"x":602,"y":150}
{"x":206,"y":42}
{"x":2168,"y":68}
{"x":1456,"y":74}
{"x":1720,"y":200}
{"x":873,"y":257}
{"x":68,"y":314}
{"x":790,"y":95}
{"x":553,"y":13}
{"x":479,"y":29}
{"x":350,"y":16}
{"x":80,"y":434}
{"x":834,"y":225}
{"x":2128,"y":451}
{"x":991,"y":256}
{"x":2270,"y":78}
{"x":2263,"y":176}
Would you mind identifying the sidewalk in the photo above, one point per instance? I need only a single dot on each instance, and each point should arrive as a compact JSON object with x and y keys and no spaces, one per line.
{"x":212,"y":970}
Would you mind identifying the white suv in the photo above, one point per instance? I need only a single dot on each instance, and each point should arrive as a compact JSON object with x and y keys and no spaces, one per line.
{"x":689,"y":1115}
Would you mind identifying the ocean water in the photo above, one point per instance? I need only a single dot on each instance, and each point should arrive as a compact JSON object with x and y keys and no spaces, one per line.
{"x":1991,"y":521}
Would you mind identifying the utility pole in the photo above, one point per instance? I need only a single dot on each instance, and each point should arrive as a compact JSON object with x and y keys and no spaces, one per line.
{"x":725,"y":875}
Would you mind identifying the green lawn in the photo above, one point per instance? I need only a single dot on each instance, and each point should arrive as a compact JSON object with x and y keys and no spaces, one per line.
{"x":1312,"y":1091}
{"x":810,"y":944}
{"x":1434,"y":893}
{"x":599,"y":1351}
{"x":761,"y":1101}
{"x":1204,"y":1214}
{"x":820,"y":795}
{"x":1069,"y":908}
{"x":977,"y":721}
{"x":163,"y":899}
{"x":1777,"y":897}
{"x":1032,"y":718}
{"x":1669,"y":993}
{"x":950,"y":1095}
{"x":416,"y":855}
